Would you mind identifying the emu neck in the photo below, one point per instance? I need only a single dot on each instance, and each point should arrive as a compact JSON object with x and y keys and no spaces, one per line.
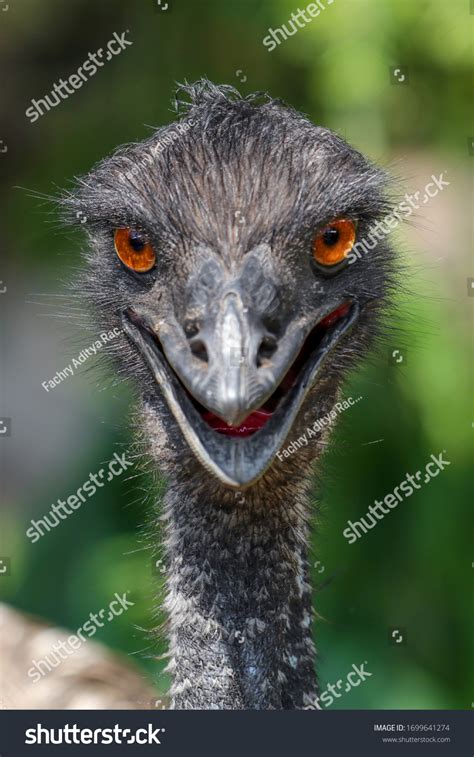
{"x":239,"y":599}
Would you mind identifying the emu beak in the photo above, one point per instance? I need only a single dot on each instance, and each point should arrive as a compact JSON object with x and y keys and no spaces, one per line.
{"x":227,"y":369}
{"x":233,"y":386}
{"x":234,"y":408}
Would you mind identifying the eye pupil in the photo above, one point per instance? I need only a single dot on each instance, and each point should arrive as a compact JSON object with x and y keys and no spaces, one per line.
{"x":331,"y":236}
{"x":136,"y":241}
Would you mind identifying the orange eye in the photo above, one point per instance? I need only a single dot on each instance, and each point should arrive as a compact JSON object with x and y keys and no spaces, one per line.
{"x":134,"y":250}
{"x":334,"y":242}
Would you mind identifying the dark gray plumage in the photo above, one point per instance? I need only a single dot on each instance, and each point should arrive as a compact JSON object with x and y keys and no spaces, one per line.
{"x":231,"y":205}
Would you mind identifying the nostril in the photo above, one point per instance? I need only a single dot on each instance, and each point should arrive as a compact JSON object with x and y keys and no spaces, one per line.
{"x":198,"y":348}
{"x":267,"y":348}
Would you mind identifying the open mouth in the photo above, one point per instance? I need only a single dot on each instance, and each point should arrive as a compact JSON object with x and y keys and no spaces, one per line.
{"x":258,"y":418}
{"x":239,"y":454}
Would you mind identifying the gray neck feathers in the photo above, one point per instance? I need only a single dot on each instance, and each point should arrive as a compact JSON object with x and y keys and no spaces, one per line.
{"x":239,"y":599}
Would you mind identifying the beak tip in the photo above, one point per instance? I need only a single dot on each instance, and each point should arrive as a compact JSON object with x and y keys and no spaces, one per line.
{"x":233,"y":420}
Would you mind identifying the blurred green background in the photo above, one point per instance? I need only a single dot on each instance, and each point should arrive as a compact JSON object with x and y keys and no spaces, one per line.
{"x":411,"y":572}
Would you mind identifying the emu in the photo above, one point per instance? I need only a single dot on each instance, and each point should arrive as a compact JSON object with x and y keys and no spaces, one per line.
{"x":225,"y":261}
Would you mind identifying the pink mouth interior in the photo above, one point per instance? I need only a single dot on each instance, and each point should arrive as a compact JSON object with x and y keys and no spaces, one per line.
{"x":249,"y":426}
{"x":257,"y":419}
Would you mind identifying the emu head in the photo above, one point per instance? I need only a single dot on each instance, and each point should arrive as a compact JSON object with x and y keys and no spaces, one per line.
{"x":222,"y":247}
